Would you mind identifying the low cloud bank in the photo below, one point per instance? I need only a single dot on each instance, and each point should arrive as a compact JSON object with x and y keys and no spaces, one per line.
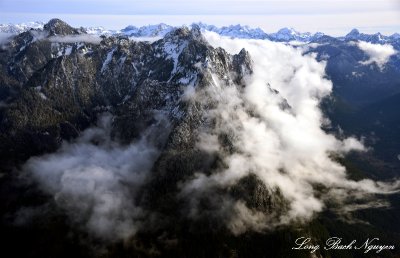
{"x":86,"y":38}
{"x":274,"y":131}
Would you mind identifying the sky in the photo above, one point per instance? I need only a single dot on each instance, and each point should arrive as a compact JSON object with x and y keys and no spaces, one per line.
{"x":335,"y":17}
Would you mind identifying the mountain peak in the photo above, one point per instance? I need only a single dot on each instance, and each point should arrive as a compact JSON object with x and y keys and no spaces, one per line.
{"x":287,"y":30}
{"x":58,"y":27}
{"x":156,"y":30}
{"x":290,"y":34}
{"x":129,"y":27}
{"x":236,"y":31}
{"x":353,"y":33}
{"x":196,"y":30}
{"x":395,"y":36}
{"x":374,"y":38}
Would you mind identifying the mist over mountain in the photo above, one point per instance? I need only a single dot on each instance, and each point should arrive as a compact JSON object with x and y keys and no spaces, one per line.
{"x":195,"y":141}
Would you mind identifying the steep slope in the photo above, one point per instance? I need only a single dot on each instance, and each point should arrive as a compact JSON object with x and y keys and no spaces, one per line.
{"x":45,"y":89}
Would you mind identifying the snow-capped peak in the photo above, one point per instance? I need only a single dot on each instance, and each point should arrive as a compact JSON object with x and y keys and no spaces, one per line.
{"x":101,"y":31}
{"x":290,"y":34}
{"x":286,"y":31}
{"x":158,"y":30}
{"x":236,"y":31}
{"x":21,"y":27}
{"x":355,"y":34}
{"x":395,"y":36}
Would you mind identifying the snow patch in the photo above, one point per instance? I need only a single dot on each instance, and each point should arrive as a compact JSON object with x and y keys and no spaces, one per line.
{"x":42,"y":95}
{"x":108,"y":60}
{"x":173,"y":52}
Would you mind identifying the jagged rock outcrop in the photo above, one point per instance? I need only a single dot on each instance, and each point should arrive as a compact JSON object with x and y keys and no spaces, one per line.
{"x":58,"y":27}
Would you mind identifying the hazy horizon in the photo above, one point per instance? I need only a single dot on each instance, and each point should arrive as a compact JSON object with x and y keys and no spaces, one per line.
{"x":139,"y":21}
{"x":335,"y":18}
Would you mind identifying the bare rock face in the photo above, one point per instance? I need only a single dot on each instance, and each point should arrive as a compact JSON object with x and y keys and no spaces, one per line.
{"x":58,"y":27}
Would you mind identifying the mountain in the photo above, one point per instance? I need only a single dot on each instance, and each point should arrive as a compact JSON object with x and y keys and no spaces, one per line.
{"x":355,"y":81}
{"x":31,"y":68}
{"x":236,"y":31}
{"x":100,"y":31}
{"x":113,"y":147}
{"x":53,"y":91}
{"x":159,"y":30}
{"x":376,"y":38}
{"x":19,"y":28}
{"x":395,"y":36}
{"x":290,"y":34}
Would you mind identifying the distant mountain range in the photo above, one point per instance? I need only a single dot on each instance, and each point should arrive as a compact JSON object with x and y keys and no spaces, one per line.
{"x":236,"y":31}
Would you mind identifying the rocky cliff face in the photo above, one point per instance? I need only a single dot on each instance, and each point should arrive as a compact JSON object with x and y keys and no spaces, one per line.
{"x":54,"y":88}
{"x":48,"y":81}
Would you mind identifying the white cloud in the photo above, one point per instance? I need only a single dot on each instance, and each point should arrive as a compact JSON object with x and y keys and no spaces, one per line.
{"x":282,"y":144}
{"x":4,"y":39}
{"x":378,"y":54}
{"x":87,"y":38}
{"x":96,"y":184}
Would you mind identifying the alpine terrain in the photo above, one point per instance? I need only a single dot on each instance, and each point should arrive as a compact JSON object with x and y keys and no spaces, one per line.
{"x":197,"y":141}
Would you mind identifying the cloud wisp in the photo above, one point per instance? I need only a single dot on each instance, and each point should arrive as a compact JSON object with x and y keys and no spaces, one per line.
{"x":38,"y":35}
{"x":4,"y":39}
{"x":87,"y":38}
{"x":378,"y":54}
